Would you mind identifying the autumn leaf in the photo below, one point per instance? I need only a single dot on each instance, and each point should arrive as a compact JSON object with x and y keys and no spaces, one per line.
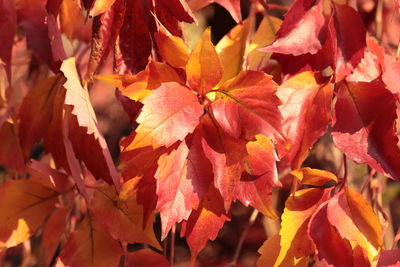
{"x":315,"y":177}
{"x":169,"y":114}
{"x":53,"y":231}
{"x":255,"y":185}
{"x":8,"y":25}
{"x":183,"y":177}
{"x":232,"y":6}
{"x":172,"y":49}
{"x":100,"y":6}
{"x":36,"y":112}
{"x":204,"y":223}
{"x":389,"y":258}
{"x":25,"y":205}
{"x":86,"y":139}
{"x":11,"y":155}
{"x":106,"y":28}
{"x":332,"y":249}
{"x":232,"y":47}
{"x":302,"y":30}
{"x":247,"y":105}
{"x":204,"y":69}
{"x":348,"y":37}
{"x":299,"y":208}
{"x":363,"y":127}
{"x":121,"y":215}
{"x":306,"y":114}
{"x":90,"y":245}
{"x":355,"y":220}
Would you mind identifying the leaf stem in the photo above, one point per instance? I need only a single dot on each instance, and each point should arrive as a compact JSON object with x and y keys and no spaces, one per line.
{"x":252,"y":219}
{"x":172,"y":252}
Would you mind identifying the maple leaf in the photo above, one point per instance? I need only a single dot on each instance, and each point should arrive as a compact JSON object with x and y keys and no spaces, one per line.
{"x":8,"y":25}
{"x":90,"y":245}
{"x":25,"y":205}
{"x":302,"y":30}
{"x":169,"y":114}
{"x":363,"y":127}
{"x":86,"y":139}
{"x":121,"y":215}
{"x":355,"y":220}
{"x":203,"y":68}
{"x":183,"y":177}
{"x":204,"y":223}
{"x":306,"y":114}
{"x":52,"y":232}
{"x":247,"y":105}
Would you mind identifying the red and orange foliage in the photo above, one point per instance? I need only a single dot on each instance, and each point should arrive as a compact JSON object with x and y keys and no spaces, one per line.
{"x":211,"y":125}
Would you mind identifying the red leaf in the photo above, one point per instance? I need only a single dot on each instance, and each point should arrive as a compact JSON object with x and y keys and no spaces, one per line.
{"x":226,"y":155}
{"x":169,"y":114}
{"x":389,"y":258}
{"x":247,"y":106}
{"x":36,"y":112}
{"x":332,"y":249}
{"x":348,"y":37}
{"x":53,"y":231}
{"x":91,"y":246}
{"x":255,"y":185}
{"x":306,"y":114}
{"x":8,"y":24}
{"x":106,"y":28}
{"x":183,"y":177}
{"x":302,"y":30}
{"x":232,"y":6}
{"x":87,"y":141}
{"x":204,"y":223}
{"x":11,"y":155}
{"x":363,"y":128}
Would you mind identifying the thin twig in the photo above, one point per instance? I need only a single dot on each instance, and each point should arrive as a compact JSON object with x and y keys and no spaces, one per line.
{"x":252,"y":219}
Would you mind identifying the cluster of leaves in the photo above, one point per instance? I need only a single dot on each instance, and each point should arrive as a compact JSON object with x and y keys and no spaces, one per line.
{"x":211,"y":125}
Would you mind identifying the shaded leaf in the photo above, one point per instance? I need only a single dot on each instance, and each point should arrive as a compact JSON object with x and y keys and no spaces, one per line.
{"x":232,"y":6}
{"x":315,"y":177}
{"x":145,"y":258}
{"x":122,"y":216}
{"x":8,"y":25}
{"x":90,"y":245}
{"x":363,"y":127}
{"x":11,"y":155}
{"x":24,"y":205}
{"x":389,"y":258}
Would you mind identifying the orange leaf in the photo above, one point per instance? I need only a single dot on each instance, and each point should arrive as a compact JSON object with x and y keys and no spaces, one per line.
{"x":100,"y":6}
{"x":295,"y":242}
{"x":315,"y":177}
{"x":168,"y":115}
{"x":204,"y":69}
{"x":232,"y":47}
{"x":122,"y":216}
{"x":355,"y":220}
{"x":172,"y":49}
{"x":24,"y":205}
{"x":91,"y":246}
